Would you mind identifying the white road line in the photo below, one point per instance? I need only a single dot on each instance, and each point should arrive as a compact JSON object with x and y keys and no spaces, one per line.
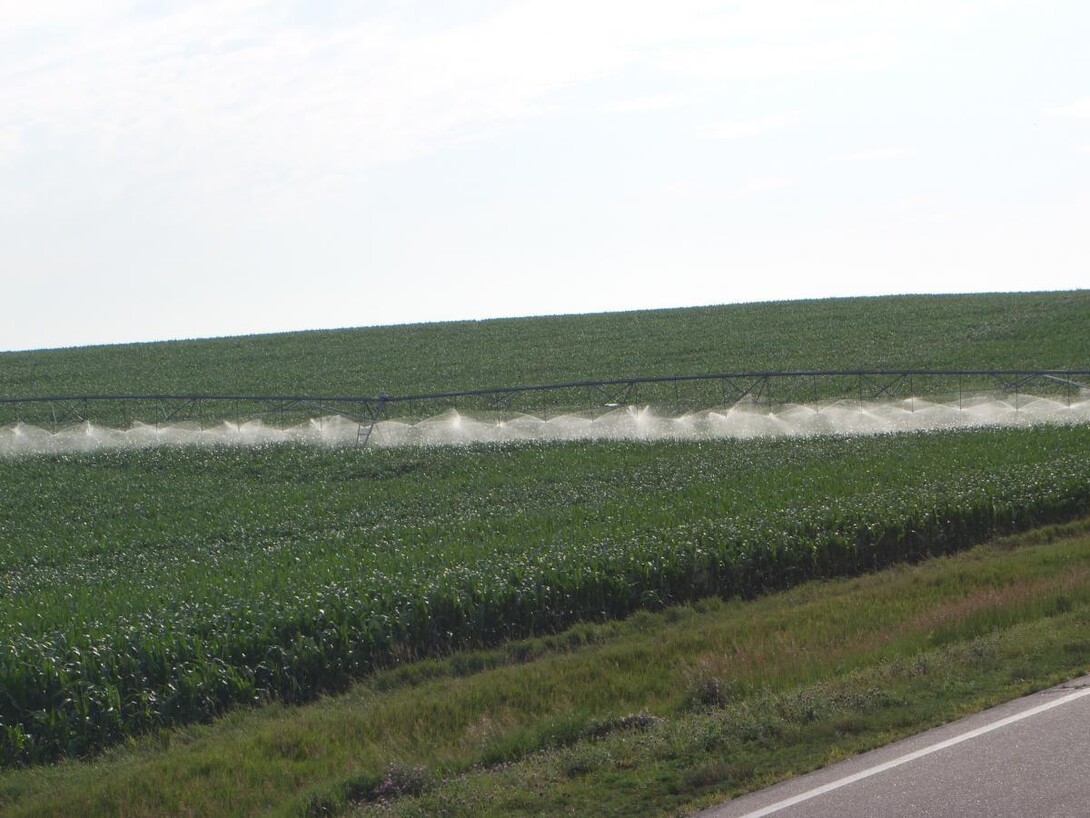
{"x":942,"y":745}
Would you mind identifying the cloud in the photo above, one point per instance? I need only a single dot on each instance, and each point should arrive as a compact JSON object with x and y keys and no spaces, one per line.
{"x":18,"y":16}
{"x":11,"y":145}
{"x":749,"y":62}
{"x":225,"y":94}
{"x":748,"y":128}
{"x":660,"y":102}
{"x":927,"y":203}
{"x":768,"y":183}
{"x":250,"y":82}
{"x":873,"y":155}
{"x":237,"y":83}
{"x":1079,"y":109}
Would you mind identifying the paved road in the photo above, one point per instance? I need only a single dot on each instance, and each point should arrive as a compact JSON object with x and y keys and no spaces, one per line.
{"x":1029,"y":757}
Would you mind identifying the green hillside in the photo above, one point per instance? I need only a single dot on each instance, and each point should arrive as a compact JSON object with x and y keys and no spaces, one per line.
{"x":1034,"y":330}
{"x":143,"y":591}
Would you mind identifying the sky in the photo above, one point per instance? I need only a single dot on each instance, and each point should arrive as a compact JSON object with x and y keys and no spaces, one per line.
{"x":207,"y":168}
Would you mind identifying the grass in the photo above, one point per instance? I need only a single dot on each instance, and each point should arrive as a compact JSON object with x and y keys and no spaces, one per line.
{"x":659,"y":713}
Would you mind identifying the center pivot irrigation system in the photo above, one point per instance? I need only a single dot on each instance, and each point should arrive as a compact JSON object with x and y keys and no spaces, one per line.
{"x":674,"y":393}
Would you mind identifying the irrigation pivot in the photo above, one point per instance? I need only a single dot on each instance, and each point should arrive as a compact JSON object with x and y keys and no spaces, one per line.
{"x":674,"y":393}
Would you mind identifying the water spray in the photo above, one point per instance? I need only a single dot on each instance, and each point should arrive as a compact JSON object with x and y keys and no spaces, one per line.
{"x":632,"y":422}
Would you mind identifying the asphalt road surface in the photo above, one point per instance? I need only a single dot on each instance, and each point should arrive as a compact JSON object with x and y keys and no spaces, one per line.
{"x":1029,"y":758}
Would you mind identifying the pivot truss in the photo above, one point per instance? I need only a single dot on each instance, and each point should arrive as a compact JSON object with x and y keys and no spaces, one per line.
{"x":677,"y":393}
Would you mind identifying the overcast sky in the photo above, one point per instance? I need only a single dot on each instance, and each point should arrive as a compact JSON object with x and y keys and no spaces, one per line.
{"x":190,"y":169}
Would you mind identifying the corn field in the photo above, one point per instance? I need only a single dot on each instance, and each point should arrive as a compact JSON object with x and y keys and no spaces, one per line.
{"x":145,"y":589}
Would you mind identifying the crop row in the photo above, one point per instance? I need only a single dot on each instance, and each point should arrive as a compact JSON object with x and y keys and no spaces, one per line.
{"x":152,"y":588}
